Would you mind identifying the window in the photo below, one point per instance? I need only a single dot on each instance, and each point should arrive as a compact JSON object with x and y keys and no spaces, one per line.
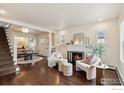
{"x":122,"y":42}
{"x":101,"y":37}
{"x":32,"y":43}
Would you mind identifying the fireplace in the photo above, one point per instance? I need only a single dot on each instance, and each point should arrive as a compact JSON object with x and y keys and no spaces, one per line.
{"x":75,"y":55}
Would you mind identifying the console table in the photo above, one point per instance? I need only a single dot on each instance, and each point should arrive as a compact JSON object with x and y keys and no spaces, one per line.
{"x":100,"y":72}
{"x":105,"y":75}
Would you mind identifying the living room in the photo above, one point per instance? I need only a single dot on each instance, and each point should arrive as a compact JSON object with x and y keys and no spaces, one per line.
{"x":72,"y":44}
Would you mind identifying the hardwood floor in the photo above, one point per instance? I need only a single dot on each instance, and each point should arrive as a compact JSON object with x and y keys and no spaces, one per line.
{"x":40,"y":74}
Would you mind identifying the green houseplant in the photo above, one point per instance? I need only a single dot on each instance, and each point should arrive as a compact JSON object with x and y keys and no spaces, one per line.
{"x":97,"y":50}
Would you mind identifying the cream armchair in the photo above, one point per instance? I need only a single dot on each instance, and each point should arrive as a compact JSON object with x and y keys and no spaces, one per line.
{"x":54,"y":59}
{"x":90,"y":69}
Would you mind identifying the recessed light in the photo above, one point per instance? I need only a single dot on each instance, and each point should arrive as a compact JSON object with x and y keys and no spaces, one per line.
{"x":2,"y":12}
{"x":25,"y":30}
{"x":100,"y":19}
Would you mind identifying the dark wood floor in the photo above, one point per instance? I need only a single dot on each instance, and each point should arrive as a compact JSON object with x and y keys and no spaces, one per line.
{"x":40,"y":74}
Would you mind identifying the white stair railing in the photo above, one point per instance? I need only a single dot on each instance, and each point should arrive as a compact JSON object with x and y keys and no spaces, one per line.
{"x":13,"y":50}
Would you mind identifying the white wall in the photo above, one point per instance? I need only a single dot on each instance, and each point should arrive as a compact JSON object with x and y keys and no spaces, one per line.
{"x":42,"y":47}
{"x":112,"y":37}
{"x":121,"y":65}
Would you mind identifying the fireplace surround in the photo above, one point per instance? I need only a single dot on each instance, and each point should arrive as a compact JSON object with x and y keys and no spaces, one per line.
{"x":72,"y":56}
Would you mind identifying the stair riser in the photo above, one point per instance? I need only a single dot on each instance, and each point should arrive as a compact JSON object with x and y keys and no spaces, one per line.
{"x":4,"y":46}
{"x":6,"y":59}
{"x":3,"y":37}
{"x":2,"y":34}
{"x":4,"y":51}
{"x":2,"y":65}
{"x":6,"y":72}
{"x":5,"y":67}
{"x":6,"y":63}
{"x":3,"y":42}
{"x":5,"y":55}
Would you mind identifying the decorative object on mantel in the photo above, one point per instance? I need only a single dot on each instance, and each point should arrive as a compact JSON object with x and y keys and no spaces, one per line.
{"x":72,"y":42}
{"x":80,"y":39}
{"x":68,"y":43}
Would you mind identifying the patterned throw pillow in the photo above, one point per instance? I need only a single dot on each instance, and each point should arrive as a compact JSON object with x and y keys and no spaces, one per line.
{"x":88,"y":60}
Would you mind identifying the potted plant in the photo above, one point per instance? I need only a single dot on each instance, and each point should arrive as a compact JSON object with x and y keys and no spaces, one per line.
{"x":97,"y":50}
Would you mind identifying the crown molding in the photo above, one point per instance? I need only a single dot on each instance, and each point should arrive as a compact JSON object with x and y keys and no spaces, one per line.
{"x":19,"y":23}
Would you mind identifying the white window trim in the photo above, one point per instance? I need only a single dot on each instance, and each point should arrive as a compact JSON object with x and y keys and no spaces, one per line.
{"x":121,"y":41}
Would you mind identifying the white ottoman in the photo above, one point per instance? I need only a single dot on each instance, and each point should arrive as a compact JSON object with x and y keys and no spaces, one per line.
{"x":67,"y":69}
{"x":61,"y":63}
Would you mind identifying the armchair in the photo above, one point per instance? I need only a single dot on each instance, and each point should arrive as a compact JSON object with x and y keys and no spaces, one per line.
{"x":54,"y":59}
{"x":90,"y":69}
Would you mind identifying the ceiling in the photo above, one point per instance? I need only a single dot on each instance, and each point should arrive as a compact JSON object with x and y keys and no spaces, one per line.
{"x":60,"y":16}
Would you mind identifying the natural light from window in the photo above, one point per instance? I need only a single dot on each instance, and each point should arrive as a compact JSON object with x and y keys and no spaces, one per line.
{"x":122,"y":42}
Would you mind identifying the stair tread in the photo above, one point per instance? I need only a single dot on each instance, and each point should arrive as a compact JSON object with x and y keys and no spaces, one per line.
{"x":5,"y":57}
{"x":8,"y":72}
{"x":5,"y":53}
{"x":6,"y":67}
{"x":6,"y":62}
{"x":4,"y":49}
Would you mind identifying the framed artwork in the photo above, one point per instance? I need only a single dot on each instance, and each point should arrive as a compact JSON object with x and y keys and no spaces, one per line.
{"x":62,"y":39}
{"x":32,"y":42}
{"x":21,"y":42}
{"x":42,"y":39}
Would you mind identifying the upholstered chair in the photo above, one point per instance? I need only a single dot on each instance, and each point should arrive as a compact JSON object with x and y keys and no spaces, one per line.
{"x":54,"y":59}
{"x":90,"y":69}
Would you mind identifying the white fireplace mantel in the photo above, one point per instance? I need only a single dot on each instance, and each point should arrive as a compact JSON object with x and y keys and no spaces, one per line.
{"x":63,"y":49}
{"x":78,"y":48}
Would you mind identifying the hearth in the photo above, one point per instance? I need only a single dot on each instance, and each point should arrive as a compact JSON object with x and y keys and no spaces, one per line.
{"x":75,"y":55}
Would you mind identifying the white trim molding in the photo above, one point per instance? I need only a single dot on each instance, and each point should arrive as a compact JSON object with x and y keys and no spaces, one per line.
{"x":121,"y":76}
{"x":121,"y":42}
{"x":19,"y":23}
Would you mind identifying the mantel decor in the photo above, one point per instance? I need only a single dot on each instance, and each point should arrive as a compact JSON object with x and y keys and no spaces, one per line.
{"x":80,"y":39}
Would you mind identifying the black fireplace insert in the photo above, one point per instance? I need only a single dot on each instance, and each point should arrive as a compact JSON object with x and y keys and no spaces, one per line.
{"x":72,"y":56}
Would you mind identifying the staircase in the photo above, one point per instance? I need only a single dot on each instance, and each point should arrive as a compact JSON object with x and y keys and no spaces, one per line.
{"x":6,"y":64}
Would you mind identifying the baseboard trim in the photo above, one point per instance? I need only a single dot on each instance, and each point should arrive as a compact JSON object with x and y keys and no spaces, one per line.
{"x":119,"y":76}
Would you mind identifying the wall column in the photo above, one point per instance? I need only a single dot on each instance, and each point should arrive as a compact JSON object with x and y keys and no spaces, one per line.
{"x":49,"y":45}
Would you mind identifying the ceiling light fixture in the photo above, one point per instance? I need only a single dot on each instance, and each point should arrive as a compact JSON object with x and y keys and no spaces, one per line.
{"x":2,"y":11}
{"x":100,"y":19}
{"x":25,"y":30}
